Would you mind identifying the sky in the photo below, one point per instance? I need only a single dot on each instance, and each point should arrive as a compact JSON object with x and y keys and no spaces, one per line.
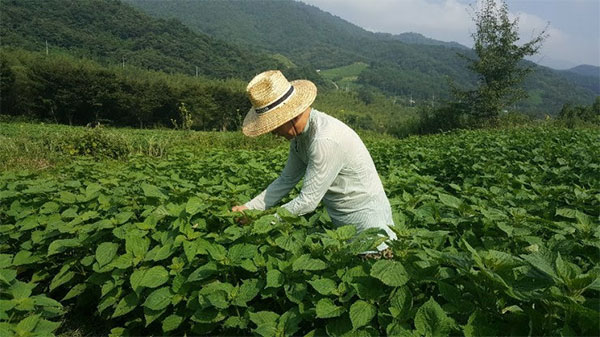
{"x":573,"y":25}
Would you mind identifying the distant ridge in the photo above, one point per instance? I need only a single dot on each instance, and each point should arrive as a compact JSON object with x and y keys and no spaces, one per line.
{"x":416,"y":38}
{"x":586,"y":70}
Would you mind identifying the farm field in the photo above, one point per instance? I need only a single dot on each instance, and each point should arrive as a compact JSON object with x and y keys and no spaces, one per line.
{"x":498,"y":234}
{"x":345,"y":76}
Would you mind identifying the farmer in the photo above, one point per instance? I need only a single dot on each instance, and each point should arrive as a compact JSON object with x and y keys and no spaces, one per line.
{"x":336,"y":166}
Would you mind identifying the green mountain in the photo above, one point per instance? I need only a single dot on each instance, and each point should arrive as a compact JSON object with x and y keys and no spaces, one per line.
{"x":404,"y":65}
{"x":416,"y":38}
{"x":115,"y":33}
{"x":586,"y":70}
{"x":584,"y":75}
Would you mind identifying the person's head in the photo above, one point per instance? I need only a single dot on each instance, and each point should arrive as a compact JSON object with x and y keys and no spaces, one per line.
{"x":277,"y":105}
{"x":293,"y":127}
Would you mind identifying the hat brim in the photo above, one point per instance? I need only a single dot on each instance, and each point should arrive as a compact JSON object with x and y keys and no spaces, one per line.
{"x":304,"y":95}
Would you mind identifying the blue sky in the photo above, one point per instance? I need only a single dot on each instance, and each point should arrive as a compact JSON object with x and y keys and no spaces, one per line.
{"x":574,"y":25}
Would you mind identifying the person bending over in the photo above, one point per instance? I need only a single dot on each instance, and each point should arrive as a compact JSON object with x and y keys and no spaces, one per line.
{"x":336,"y":166}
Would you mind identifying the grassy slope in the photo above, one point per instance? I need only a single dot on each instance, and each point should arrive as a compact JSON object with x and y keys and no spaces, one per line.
{"x":28,"y":146}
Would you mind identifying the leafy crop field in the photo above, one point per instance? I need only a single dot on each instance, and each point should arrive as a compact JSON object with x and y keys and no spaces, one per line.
{"x":345,"y":75}
{"x":498,"y":235}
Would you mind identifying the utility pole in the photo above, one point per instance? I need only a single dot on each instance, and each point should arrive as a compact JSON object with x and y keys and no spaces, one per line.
{"x":46,"y":47}
{"x":196,"y":71}
{"x":123,"y":58}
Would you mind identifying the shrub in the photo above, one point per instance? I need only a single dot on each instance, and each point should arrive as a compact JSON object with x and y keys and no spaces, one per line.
{"x":96,"y":143}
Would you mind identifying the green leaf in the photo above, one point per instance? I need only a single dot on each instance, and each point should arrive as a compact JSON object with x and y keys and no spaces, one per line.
{"x":389,"y":272}
{"x":75,"y":291}
{"x":401,"y":303}
{"x":567,"y":212}
{"x":295,"y":292}
{"x":248,"y":290}
{"x":540,"y":262}
{"x":123,"y":217}
{"x":361,"y":313}
{"x":136,"y":245}
{"x":152,"y":191}
{"x":67,"y":197}
{"x":431,"y":320}
{"x":123,"y":261}
{"x":264,"y":224}
{"x":263,"y":317}
{"x":159,"y":299}
{"x":289,"y":322}
{"x":49,"y":208}
{"x":171,"y":322}
{"x":235,"y":322}
{"x":274,"y":279}
{"x":345,"y":232}
{"x":24,"y":257}
{"x":149,"y":278}
{"x":7,"y":275}
{"x":449,"y":200}
{"x":63,"y":276}
{"x":190,"y":250}
{"x":154,"y":277}
{"x":341,"y":326}
{"x":43,"y":301}
{"x":92,"y":190}
{"x":241,"y":251}
{"x":60,"y":246}
{"x":480,"y":325}
{"x":126,"y":305}
{"x":45,"y":328}
{"x":152,"y":315}
{"x":216,"y":251}
{"x":194,"y":205}
{"x":203,"y":272}
{"x":327,"y":309}
{"x":562,"y":269}
{"x":5,"y":260}
{"x":106,"y":252}
{"x":323,"y":286}
{"x":28,"y":323}
{"x":305,"y":262}
{"x":266,"y":322}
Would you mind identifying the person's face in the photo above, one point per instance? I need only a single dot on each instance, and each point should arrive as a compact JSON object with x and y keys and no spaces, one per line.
{"x":286,"y":130}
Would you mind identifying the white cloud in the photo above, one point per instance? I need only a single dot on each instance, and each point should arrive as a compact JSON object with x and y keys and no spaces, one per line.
{"x":447,"y":20}
{"x":560,"y":49}
{"x":451,"y":20}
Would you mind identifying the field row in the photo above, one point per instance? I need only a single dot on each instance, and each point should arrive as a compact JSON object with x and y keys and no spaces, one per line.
{"x":498,"y":235}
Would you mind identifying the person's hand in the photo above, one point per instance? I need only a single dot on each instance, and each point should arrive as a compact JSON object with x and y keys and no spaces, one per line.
{"x":239,"y":208}
{"x":243,"y":220}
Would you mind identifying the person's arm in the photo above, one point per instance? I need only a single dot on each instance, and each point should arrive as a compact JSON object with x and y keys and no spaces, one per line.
{"x":292,"y":173}
{"x":325,"y":162}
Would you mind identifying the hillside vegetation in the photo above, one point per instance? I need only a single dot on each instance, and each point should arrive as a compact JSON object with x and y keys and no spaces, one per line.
{"x":59,"y":88}
{"x":115,"y":33}
{"x":308,"y":36}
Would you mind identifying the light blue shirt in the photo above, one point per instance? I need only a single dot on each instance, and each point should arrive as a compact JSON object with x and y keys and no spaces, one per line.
{"x":338,"y":169}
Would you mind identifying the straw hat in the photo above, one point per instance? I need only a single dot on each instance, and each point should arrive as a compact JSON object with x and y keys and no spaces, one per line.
{"x":275,"y":101}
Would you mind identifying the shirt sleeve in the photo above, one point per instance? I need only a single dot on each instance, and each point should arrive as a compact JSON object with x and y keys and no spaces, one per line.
{"x":325,"y":161}
{"x":292,"y":173}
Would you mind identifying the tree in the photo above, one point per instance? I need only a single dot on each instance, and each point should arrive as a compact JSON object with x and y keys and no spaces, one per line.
{"x":7,"y":81}
{"x":499,"y":62}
